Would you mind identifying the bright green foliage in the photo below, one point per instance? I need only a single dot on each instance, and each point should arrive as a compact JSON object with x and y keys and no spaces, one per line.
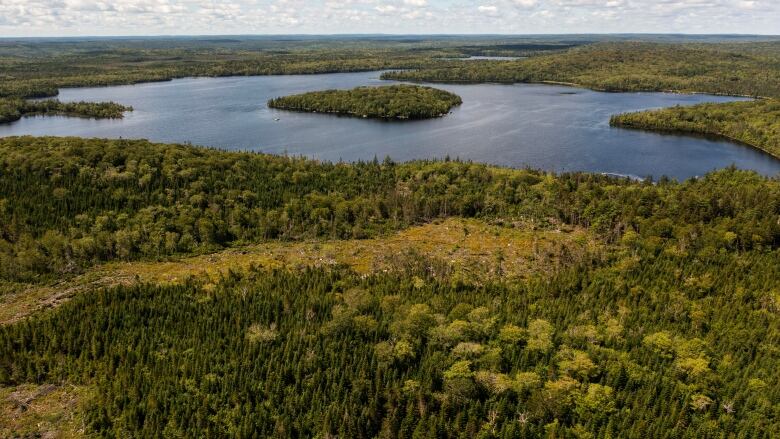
{"x":390,"y":102}
{"x":14,"y":109}
{"x":597,"y":400}
{"x":577,"y":364}
{"x":461,"y":369}
{"x":661,"y":343}
{"x":526,"y":381}
{"x":755,"y":123}
{"x":511,"y":334}
{"x":540,"y":333}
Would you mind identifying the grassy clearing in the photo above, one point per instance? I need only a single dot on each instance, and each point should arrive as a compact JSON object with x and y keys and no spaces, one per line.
{"x":46,"y":411}
{"x":473,"y":249}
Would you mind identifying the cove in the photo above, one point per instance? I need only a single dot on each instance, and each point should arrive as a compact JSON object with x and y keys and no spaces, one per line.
{"x":541,"y":126}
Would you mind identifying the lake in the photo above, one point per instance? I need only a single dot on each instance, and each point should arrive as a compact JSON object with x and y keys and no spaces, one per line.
{"x":541,"y":126}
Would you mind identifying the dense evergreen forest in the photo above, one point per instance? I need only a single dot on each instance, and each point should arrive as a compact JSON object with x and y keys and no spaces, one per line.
{"x":389,"y":102}
{"x":14,"y":109}
{"x":672,"y":346}
{"x":668,"y":330}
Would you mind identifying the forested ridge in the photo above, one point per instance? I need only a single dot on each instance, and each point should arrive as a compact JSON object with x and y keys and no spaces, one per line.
{"x":68,"y":203}
{"x":730,"y":69}
{"x":388,"y":102}
{"x":749,"y":69}
{"x":39,"y":68}
{"x":33,"y":76}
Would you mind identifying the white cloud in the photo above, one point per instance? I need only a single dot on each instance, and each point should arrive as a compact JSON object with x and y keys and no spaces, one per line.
{"x":114,"y":17}
{"x":489,"y":10}
{"x":525,"y":3}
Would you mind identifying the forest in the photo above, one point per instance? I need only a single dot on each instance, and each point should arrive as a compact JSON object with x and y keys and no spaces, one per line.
{"x":729,"y":69}
{"x":44,"y":77}
{"x":40,"y":68}
{"x":69,"y":203}
{"x":388,"y":102}
{"x":733,"y":68}
{"x":669,"y":328}
{"x":14,"y":109}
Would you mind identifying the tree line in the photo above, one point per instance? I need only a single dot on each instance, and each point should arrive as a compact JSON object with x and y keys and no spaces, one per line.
{"x":29,"y":75}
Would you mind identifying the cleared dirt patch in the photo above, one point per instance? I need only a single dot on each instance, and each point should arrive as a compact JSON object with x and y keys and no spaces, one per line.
{"x":473,"y":249}
{"x":46,"y":411}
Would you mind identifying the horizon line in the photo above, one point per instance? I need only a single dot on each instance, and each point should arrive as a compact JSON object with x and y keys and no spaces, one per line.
{"x":353,"y":35}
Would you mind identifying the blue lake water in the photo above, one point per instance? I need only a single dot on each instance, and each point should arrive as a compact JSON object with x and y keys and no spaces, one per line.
{"x":541,"y":126}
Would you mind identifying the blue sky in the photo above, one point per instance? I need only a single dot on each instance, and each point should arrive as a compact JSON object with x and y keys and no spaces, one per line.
{"x":156,"y":17}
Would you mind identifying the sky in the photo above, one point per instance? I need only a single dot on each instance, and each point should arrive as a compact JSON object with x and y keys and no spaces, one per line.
{"x":204,"y":17}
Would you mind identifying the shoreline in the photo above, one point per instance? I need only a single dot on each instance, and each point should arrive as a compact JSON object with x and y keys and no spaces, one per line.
{"x":710,"y":135}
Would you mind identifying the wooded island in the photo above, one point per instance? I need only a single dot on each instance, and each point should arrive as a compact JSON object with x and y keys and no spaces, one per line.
{"x":14,"y":109}
{"x":390,"y":102}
